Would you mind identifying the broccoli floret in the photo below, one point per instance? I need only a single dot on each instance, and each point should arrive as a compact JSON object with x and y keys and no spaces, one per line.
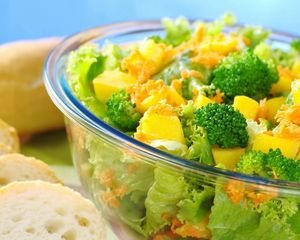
{"x":243,"y":73}
{"x":272,"y":164}
{"x":225,"y":126}
{"x":122,"y":111}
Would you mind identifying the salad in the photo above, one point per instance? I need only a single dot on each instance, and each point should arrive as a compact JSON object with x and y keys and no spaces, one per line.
{"x":212,"y":93}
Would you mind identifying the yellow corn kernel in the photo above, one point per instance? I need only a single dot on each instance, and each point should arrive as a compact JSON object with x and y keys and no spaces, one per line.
{"x":247,"y":106}
{"x":202,"y":101}
{"x":227,"y":156}
{"x":263,"y":142}
{"x":110,"y":82}
{"x":273,"y":105}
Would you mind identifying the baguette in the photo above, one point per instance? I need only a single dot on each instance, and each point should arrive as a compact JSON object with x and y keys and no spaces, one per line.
{"x":39,"y":210}
{"x":9,"y":141}
{"x":17,"y":167}
{"x":24,"y":102}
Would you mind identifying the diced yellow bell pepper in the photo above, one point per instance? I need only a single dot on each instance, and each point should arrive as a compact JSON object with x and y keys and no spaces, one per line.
{"x":202,"y":101}
{"x":296,"y":91}
{"x":168,"y":94}
{"x":296,"y":69}
{"x":273,"y":105}
{"x":110,"y":82}
{"x":151,"y":101}
{"x":153,"y":51}
{"x":247,"y":106}
{"x":161,"y":127}
{"x":263,"y":142}
{"x":282,"y":86}
{"x":227,"y":156}
{"x":174,"y":98}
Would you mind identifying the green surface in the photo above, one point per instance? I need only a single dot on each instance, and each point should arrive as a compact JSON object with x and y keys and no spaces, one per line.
{"x":52,"y":148}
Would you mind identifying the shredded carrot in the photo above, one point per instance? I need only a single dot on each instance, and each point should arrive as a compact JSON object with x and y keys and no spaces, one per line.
{"x":262,"y":111}
{"x":106,"y":178}
{"x":162,"y":109}
{"x":138,"y":66}
{"x":258,"y":198}
{"x":140,"y":92}
{"x":210,"y":59}
{"x":191,"y":73}
{"x":176,"y":84}
{"x":218,"y":97}
{"x":293,"y":114}
{"x":288,"y":130}
{"x":285,"y":72}
{"x":199,"y":230}
{"x":132,"y":167}
{"x":235,"y":191}
{"x":198,"y":35}
{"x":110,"y":199}
{"x":120,"y":191}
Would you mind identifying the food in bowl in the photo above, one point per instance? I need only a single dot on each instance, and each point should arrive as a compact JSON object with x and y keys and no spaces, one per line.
{"x":207,"y":95}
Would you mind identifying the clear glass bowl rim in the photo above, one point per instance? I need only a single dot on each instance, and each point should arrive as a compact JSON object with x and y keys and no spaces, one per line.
{"x":74,"y":110}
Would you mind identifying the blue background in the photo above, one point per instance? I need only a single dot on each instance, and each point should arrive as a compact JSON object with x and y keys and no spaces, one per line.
{"x":27,"y":19}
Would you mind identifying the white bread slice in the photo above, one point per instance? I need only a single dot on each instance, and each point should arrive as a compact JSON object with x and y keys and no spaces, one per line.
{"x":17,"y":167}
{"x":37,"y":210}
{"x":9,"y":141}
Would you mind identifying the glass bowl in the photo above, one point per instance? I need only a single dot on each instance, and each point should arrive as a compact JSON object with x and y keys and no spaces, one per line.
{"x":144,"y":193}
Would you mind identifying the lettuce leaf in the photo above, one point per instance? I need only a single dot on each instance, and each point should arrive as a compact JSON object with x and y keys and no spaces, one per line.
{"x":113,"y":54}
{"x":177,"y":31}
{"x":229,"y":221}
{"x":199,"y":148}
{"x":162,"y":199}
{"x":256,"y":34}
{"x":196,"y":204}
{"x":105,"y":156}
{"x":83,"y":66}
{"x":216,"y":27}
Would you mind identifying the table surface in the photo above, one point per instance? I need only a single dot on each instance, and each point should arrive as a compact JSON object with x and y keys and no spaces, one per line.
{"x":30,"y":19}
{"x":20,"y":19}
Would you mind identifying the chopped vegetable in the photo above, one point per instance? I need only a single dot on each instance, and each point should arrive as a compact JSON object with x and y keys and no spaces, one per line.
{"x":224,"y":126}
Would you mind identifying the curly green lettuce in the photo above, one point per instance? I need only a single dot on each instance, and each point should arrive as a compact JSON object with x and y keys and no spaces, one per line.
{"x":162,"y":199}
{"x":83,"y":66}
{"x":195,"y":205}
{"x":231,"y":221}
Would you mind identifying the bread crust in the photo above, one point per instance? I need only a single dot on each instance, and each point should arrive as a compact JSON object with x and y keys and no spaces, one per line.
{"x":24,"y":102}
{"x":17,"y":167}
{"x":9,"y":141}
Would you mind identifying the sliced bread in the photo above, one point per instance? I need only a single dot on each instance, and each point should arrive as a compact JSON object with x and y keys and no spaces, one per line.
{"x":37,"y":210}
{"x":9,"y":141}
{"x":17,"y":167}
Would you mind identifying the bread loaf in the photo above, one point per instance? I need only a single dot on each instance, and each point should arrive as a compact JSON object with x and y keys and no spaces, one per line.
{"x":24,"y":102}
